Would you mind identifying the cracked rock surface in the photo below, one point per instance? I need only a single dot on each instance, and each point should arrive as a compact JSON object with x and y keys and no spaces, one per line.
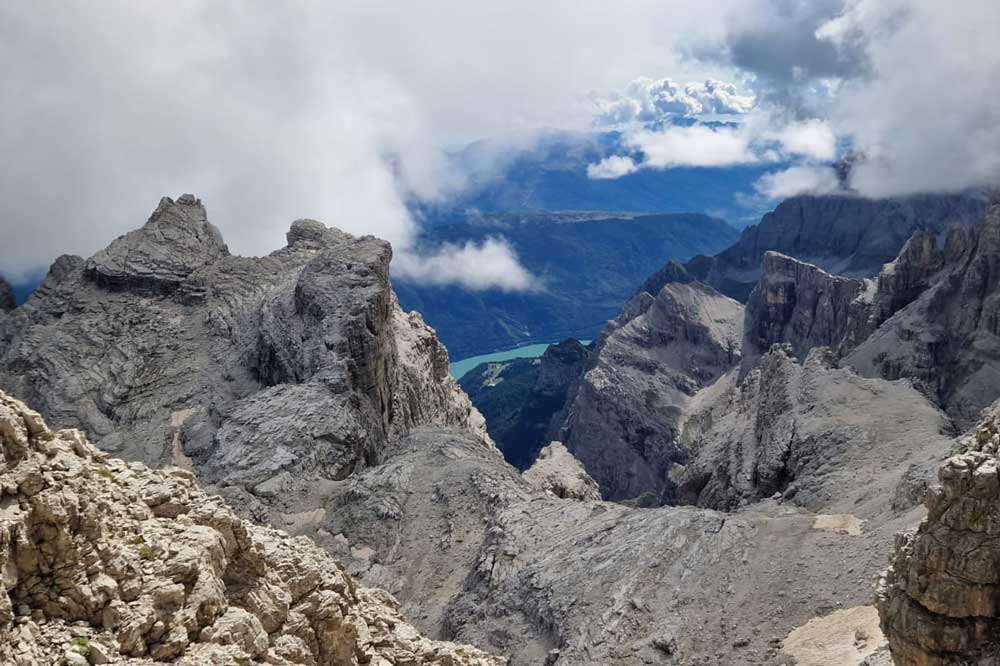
{"x":111,"y":562}
{"x":939,"y":601}
{"x":266,"y":376}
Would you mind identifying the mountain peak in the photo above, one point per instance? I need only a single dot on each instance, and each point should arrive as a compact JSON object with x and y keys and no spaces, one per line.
{"x":176,"y":241}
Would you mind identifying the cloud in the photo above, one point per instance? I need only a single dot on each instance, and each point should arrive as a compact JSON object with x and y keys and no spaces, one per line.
{"x":347,"y":111}
{"x":492,"y":264}
{"x":927,"y":113}
{"x":813,"y":139}
{"x":269,"y":112}
{"x":796,"y":180}
{"x":909,"y":85}
{"x":696,"y":145}
{"x":612,"y":167}
{"x":761,"y":138}
{"x":647,"y":100}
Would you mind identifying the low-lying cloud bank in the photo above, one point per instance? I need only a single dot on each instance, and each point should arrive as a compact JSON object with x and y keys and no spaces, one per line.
{"x":755,"y":140}
{"x":492,"y":264}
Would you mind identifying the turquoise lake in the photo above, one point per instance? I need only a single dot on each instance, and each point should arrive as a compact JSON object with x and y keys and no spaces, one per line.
{"x":459,"y":368}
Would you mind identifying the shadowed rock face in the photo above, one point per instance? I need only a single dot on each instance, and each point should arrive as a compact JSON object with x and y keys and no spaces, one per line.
{"x":7,"y":302}
{"x":109,"y":562}
{"x":522,"y":399}
{"x":939,"y":601}
{"x":843,"y":235}
{"x":265,"y":375}
{"x":800,"y":429}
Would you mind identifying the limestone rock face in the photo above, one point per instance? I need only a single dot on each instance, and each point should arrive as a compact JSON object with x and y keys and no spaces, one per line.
{"x":803,"y":431}
{"x":842,"y":235}
{"x":945,"y":335}
{"x":556,"y":471}
{"x":475,"y":554}
{"x":800,"y":305}
{"x":929,"y":316}
{"x":266,"y":376}
{"x":622,"y":418}
{"x":7,"y":302}
{"x":108,"y":562}
{"x":939,"y":601}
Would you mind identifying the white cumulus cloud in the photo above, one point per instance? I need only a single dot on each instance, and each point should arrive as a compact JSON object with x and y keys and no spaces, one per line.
{"x":813,"y":139}
{"x":760,"y":138}
{"x":802,"y":179}
{"x":612,"y":167}
{"x":492,"y":264}
{"x":647,"y":100}
{"x":695,"y":145}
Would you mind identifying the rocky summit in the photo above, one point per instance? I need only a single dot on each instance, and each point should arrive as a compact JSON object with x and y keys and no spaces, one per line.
{"x":108,"y":562}
{"x":266,"y":376}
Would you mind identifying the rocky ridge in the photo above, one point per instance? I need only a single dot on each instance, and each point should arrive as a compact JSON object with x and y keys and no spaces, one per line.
{"x":266,"y":376}
{"x":929,"y":316}
{"x":622,"y":416}
{"x":106,"y":562}
{"x":841,"y":234}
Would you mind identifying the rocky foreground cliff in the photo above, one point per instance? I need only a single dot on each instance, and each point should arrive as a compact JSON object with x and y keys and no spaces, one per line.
{"x":108,"y":562}
{"x":940,"y":598}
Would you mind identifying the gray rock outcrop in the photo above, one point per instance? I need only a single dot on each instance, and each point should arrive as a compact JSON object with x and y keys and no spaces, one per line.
{"x":556,"y":471}
{"x":798,"y":430}
{"x":929,"y":316}
{"x":944,"y":331}
{"x":264,"y":375}
{"x":477,"y":555}
{"x":800,"y":305}
{"x":621,"y":420}
{"x":106,"y":562}
{"x":939,"y":601}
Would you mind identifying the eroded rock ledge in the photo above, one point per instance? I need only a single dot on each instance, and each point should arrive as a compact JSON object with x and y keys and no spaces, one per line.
{"x":108,"y":562}
{"x":939,"y":601}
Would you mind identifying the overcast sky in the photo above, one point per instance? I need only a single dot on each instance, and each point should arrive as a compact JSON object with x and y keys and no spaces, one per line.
{"x":338,"y":111}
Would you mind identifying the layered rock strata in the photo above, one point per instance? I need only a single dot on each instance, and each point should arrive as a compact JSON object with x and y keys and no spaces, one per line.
{"x":939,"y":601}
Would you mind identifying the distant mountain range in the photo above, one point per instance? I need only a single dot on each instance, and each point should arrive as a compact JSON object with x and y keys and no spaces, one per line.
{"x":587,"y":265}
